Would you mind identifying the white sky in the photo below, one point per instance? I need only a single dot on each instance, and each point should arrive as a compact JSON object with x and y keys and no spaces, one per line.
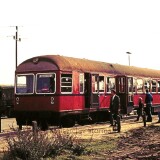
{"x":102,"y":30}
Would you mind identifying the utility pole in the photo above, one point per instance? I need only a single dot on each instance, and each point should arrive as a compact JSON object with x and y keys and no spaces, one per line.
{"x":16,"y":40}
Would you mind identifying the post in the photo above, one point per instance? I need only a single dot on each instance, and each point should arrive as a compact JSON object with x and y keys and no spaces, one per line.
{"x":129,"y":53}
{"x":34,"y":128}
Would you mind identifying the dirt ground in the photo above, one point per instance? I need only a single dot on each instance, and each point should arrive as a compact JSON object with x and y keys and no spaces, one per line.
{"x":136,"y":142}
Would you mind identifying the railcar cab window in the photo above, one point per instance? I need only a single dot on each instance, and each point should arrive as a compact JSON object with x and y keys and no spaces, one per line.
{"x":139,"y":85}
{"x":66,"y":83}
{"x":81,"y":83}
{"x":154,"y":85}
{"x":45,"y":83}
{"x":24,"y":84}
{"x":110,"y":84}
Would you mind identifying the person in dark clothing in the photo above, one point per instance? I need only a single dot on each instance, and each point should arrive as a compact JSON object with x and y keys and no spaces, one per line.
{"x":114,"y":106}
{"x":148,"y":101}
{"x":140,"y":108}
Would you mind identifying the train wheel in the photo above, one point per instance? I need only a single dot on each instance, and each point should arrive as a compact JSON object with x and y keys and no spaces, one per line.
{"x":20,"y":127}
{"x":67,"y":122}
{"x":80,"y":123}
{"x":44,"y":126}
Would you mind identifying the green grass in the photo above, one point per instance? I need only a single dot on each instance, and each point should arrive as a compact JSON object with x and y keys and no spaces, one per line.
{"x":95,"y":150}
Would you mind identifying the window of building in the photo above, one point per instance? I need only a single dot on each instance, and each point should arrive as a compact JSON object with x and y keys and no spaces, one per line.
{"x":101,"y":84}
{"x":24,"y":84}
{"x":110,"y":84}
{"x":154,"y":85}
{"x":66,"y":83}
{"x":45,"y":83}
{"x":81,"y":82}
{"x":139,"y":85}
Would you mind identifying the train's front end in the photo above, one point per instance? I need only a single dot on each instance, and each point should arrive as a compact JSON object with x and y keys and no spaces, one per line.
{"x":35,"y":92}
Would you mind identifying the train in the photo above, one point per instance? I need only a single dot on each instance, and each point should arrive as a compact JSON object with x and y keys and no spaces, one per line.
{"x":6,"y":101}
{"x":64,"y":91}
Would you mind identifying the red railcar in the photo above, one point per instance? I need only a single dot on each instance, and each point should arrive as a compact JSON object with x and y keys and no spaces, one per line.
{"x":59,"y":90}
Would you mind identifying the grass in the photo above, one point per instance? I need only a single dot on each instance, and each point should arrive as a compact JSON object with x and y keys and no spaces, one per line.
{"x":97,"y":149}
{"x":71,"y":148}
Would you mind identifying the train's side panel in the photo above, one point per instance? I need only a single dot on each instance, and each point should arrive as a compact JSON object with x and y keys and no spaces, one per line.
{"x":38,"y":103}
{"x":104,"y":100}
{"x":71,"y":103}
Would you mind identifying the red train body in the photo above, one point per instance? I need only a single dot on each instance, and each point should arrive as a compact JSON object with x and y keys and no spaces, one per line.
{"x":58,"y":90}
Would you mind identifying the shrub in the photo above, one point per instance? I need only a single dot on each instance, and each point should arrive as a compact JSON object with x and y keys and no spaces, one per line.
{"x":29,"y":145}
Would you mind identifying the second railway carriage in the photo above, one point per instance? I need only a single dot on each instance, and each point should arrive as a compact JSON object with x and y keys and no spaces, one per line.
{"x":59,"y":90}
{"x":6,"y":100}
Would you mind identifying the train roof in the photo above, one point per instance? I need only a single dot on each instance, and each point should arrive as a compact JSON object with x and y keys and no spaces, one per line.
{"x":65,"y":63}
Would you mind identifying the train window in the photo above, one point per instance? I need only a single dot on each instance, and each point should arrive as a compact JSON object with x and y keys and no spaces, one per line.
{"x":110,"y":84}
{"x":154,"y":84}
{"x":134,"y":84}
{"x":139,"y":85}
{"x":130,"y":98}
{"x":121,"y":84}
{"x":45,"y":83}
{"x":147,"y":84}
{"x":66,"y":83}
{"x":81,"y":83}
{"x":94,"y":83}
{"x":130,"y":84}
{"x":24,"y":84}
{"x":158,"y":85}
{"x":101,"y":83}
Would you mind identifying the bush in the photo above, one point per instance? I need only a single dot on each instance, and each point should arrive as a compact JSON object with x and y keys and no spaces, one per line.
{"x":28,"y":145}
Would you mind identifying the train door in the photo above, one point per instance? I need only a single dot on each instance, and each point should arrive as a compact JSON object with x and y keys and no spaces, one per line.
{"x":129,"y":95}
{"x":91,"y":90}
{"x":95,"y":90}
{"x":121,"y":91}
